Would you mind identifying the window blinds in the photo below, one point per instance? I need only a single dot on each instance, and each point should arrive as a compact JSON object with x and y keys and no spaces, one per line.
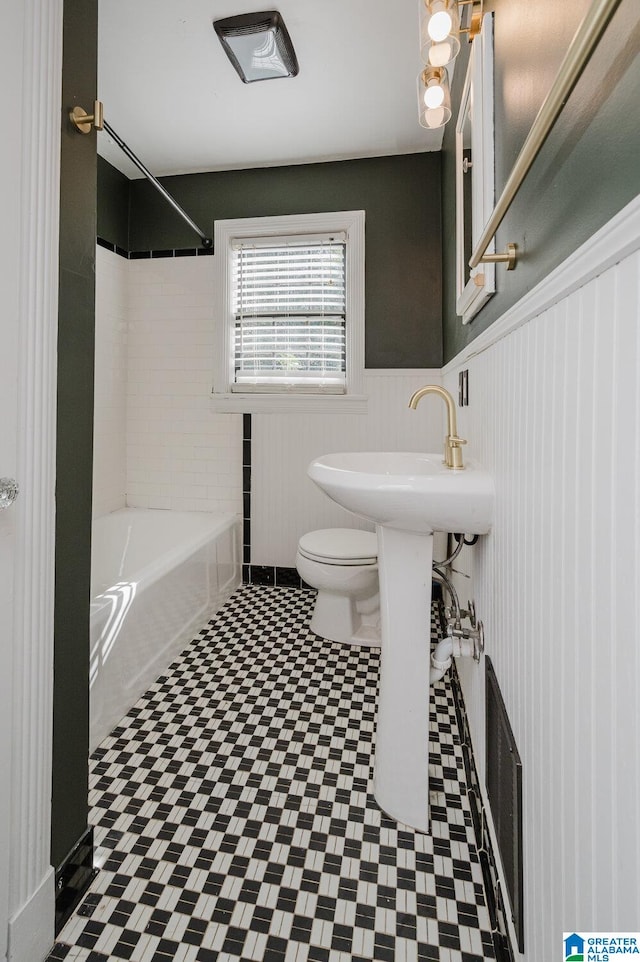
{"x":290,"y":314}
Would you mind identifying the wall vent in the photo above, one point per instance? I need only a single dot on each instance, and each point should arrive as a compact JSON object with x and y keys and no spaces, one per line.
{"x":504,"y":790}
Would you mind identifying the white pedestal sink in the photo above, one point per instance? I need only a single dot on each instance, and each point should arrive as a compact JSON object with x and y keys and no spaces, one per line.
{"x":408,"y":496}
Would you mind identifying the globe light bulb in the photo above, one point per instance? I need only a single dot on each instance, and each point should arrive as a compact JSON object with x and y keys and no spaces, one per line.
{"x":434,"y":96}
{"x":440,"y":25}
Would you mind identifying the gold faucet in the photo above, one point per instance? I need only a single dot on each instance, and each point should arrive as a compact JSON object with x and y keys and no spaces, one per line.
{"x":452,"y":443}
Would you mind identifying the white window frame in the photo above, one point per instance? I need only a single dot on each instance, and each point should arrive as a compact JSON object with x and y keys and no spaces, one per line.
{"x":226,"y":232}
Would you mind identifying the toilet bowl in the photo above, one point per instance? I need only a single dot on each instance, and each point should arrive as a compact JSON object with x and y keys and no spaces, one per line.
{"x":342,"y":564}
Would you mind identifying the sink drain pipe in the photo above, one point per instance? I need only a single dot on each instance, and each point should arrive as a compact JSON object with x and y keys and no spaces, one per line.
{"x":446,"y":649}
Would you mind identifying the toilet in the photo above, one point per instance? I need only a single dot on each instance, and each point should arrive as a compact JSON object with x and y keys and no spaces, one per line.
{"x":342,"y":564}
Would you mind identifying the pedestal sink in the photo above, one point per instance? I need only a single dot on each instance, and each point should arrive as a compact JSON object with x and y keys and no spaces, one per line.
{"x":408,"y":496}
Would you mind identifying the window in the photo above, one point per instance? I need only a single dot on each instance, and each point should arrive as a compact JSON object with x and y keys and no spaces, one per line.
{"x":290,"y":312}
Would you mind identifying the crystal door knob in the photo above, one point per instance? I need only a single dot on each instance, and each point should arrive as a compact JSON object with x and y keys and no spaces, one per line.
{"x":8,"y":492}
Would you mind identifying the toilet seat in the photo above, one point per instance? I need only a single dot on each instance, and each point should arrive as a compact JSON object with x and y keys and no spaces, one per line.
{"x":340,"y":546}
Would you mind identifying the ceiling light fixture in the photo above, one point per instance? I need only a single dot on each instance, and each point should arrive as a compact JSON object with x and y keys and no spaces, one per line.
{"x":258,"y":45}
{"x":440,"y":30}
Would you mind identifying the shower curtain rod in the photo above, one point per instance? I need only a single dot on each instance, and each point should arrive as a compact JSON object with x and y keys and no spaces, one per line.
{"x":206,"y":241}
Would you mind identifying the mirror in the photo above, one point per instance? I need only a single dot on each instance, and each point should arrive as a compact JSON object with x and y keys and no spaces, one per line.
{"x":475,"y":175}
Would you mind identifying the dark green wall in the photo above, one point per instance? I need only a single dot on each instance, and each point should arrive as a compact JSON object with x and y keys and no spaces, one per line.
{"x":75,"y":435}
{"x":588,"y":169}
{"x":113,"y":205}
{"x":401,"y":197}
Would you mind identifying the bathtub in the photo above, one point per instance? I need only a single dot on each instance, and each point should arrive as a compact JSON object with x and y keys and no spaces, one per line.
{"x":156,"y":578}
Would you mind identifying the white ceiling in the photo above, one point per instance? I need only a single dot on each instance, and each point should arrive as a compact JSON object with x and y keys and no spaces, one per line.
{"x":171,"y":94}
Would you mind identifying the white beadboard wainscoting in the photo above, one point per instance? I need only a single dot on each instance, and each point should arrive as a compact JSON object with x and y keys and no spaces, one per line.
{"x":285,"y":503}
{"x":554,"y":415}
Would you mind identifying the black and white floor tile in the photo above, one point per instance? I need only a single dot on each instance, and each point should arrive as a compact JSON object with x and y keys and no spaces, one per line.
{"x":235,"y":821}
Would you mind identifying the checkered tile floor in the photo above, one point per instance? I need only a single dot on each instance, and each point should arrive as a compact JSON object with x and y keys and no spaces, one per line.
{"x":235,"y":820}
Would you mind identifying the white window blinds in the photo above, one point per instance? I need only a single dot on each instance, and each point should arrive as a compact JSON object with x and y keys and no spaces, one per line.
{"x":290,"y":314}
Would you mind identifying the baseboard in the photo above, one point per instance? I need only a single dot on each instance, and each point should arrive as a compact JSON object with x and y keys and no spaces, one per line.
{"x":31,"y":930}
{"x":272,"y":575}
{"x":74,"y":877}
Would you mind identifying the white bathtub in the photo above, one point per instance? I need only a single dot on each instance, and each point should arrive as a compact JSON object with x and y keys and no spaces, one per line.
{"x":156,"y":578}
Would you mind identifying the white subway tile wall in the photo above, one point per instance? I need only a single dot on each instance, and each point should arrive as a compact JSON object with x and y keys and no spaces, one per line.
{"x":178,"y":453}
{"x":555,"y":417}
{"x":110,"y":425}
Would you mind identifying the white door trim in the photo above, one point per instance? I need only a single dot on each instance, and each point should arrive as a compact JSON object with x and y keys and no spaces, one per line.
{"x":28,"y":653}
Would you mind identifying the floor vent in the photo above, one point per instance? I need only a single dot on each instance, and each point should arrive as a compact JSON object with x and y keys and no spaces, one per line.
{"x":504,"y":789}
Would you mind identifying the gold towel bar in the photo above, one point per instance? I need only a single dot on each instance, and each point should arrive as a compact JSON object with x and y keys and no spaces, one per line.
{"x":577,"y":57}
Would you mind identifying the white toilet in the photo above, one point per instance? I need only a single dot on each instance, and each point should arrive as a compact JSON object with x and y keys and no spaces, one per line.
{"x":342,"y":563}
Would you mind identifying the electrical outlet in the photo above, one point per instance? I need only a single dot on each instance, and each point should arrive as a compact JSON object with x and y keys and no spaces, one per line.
{"x":463,"y":388}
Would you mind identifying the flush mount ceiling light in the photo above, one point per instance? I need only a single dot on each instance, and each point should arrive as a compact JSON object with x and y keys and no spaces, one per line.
{"x":258,"y":45}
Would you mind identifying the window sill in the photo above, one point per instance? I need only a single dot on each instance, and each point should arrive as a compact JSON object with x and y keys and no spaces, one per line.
{"x":289,"y":404}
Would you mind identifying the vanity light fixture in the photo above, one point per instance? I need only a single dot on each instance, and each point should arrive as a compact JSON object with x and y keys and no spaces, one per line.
{"x":258,"y":45}
{"x":440,"y":29}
